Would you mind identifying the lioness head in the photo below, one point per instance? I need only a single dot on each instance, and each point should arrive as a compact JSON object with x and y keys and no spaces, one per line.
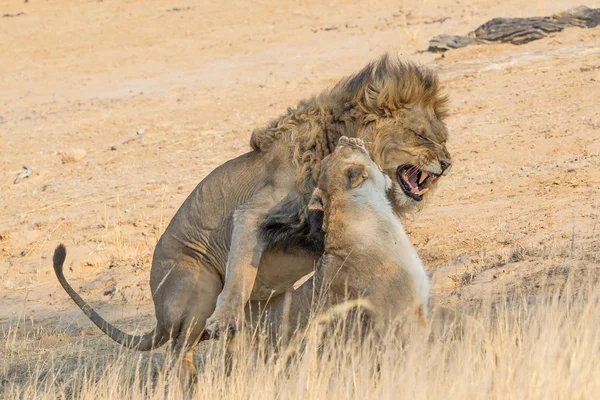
{"x":349,"y":170}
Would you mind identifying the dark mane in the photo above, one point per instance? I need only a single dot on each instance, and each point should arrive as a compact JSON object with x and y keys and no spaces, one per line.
{"x":292,"y":226}
{"x":383,"y":89}
{"x":387,"y":85}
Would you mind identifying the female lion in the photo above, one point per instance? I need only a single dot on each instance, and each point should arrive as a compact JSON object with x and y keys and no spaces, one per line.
{"x":367,"y":253}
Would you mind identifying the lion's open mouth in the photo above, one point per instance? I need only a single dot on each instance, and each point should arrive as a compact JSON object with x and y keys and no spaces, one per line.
{"x":413,"y":181}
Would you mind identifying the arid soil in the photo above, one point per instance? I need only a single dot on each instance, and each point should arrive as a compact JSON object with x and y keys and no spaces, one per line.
{"x":159,"y":93}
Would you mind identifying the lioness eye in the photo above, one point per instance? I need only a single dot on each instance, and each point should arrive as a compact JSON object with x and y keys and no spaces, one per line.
{"x":424,"y":138}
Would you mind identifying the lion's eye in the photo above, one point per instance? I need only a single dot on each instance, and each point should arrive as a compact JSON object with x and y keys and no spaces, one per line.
{"x":424,"y":138}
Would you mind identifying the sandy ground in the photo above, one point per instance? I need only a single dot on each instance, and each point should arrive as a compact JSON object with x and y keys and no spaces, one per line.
{"x":519,"y":210}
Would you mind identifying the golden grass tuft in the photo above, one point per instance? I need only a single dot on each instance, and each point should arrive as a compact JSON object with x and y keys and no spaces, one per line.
{"x":521,"y":349}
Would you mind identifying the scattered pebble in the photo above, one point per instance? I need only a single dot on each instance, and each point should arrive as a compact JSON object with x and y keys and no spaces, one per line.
{"x":24,"y":174}
{"x":72,"y":156}
{"x":139,"y":133}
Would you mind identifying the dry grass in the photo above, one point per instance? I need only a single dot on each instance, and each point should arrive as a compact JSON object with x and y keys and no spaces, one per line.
{"x":548,"y":349}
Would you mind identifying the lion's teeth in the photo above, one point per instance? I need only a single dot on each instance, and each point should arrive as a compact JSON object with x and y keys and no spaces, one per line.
{"x":423,"y":191}
{"x":424,"y":176}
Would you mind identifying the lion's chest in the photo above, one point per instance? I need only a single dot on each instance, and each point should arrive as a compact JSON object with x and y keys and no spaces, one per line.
{"x":278,"y":271}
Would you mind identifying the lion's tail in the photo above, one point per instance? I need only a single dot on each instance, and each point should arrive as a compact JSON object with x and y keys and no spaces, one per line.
{"x":146,"y":342}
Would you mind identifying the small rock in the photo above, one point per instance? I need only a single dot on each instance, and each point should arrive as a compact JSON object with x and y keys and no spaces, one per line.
{"x":24,"y":174}
{"x":140,"y":131}
{"x":72,"y":156}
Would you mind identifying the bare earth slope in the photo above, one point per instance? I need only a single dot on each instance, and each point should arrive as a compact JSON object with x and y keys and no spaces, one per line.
{"x":188,"y":83}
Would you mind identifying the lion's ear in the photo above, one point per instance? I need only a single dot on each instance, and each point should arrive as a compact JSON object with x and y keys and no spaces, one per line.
{"x":357,"y":174}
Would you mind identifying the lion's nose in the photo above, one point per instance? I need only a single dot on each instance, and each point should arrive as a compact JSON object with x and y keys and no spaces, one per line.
{"x":445,"y":165}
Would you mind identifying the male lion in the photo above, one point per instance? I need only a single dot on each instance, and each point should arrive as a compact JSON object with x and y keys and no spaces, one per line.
{"x":367,"y":253}
{"x":212,"y":259}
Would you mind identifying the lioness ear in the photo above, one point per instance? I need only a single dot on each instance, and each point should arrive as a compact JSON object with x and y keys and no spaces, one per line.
{"x":357,"y":174}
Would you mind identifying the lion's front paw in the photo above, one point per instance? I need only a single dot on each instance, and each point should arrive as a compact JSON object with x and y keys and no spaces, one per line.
{"x":215,"y":328}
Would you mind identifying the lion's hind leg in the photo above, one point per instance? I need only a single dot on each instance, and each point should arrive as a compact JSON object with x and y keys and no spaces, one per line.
{"x":184,"y":299}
